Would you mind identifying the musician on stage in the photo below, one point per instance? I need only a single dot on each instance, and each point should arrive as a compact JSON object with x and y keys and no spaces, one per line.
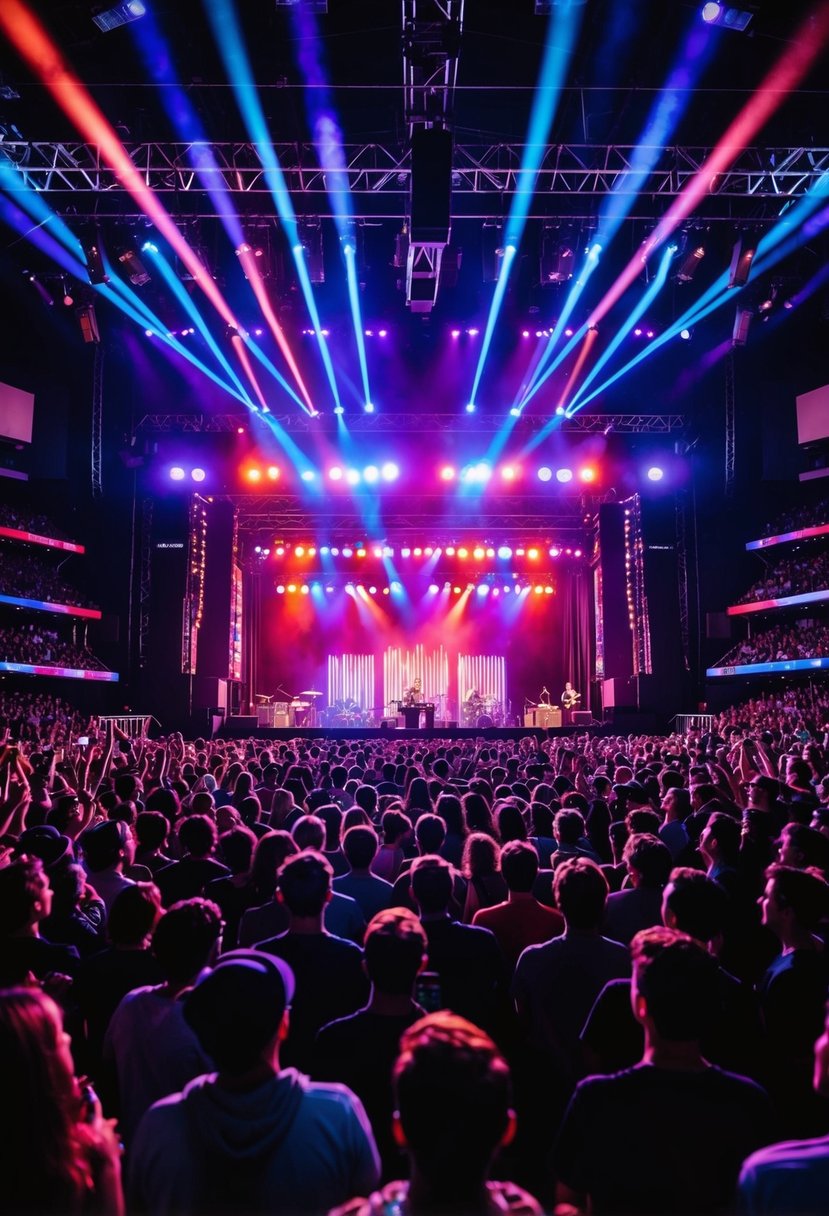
{"x":569,"y":700}
{"x":413,"y":695}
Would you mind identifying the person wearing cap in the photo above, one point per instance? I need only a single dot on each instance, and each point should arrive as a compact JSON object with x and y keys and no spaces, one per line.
{"x":251,"y":1137}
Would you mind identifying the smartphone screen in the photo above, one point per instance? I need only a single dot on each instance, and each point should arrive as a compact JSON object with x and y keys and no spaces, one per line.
{"x":427,"y":991}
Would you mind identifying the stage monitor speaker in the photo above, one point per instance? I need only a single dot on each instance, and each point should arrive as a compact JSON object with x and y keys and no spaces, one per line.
{"x":243,"y":722}
{"x":431,"y":186}
{"x":281,"y":720}
{"x":388,"y":723}
{"x":544,"y":717}
{"x":581,"y":717}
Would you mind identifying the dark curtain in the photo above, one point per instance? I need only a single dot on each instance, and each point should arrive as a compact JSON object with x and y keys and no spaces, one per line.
{"x":577,"y":633}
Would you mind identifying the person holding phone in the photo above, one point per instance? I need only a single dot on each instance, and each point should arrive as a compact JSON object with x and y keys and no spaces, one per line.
{"x":57,"y":1153}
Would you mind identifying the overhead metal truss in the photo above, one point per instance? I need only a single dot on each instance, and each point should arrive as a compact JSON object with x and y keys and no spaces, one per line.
{"x":406,"y":423}
{"x":431,"y":43}
{"x":379,"y":178}
{"x":523,"y":519}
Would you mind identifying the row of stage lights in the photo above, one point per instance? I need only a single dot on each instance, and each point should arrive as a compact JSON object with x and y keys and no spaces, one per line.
{"x":516,"y":589}
{"x":472,"y":474}
{"x":463,"y":552}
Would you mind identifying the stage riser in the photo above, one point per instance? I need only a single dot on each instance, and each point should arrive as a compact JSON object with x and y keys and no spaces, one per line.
{"x":375,"y":733}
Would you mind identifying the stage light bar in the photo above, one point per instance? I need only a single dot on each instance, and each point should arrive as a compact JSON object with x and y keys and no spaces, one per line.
{"x":725,"y":15}
{"x":119,"y":14}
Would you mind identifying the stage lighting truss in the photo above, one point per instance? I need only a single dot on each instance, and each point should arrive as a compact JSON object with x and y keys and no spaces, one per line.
{"x":384,"y":474}
{"x":486,"y":556}
{"x":378,"y":174}
{"x":479,"y":586}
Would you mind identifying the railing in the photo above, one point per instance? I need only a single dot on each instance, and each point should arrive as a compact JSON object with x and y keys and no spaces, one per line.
{"x":684,"y":723}
{"x":135,"y":726}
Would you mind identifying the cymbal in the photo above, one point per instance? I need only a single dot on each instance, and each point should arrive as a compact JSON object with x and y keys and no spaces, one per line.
{"x":310,"y":692}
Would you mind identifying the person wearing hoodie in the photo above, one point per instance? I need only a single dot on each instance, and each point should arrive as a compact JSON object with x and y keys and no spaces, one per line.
{"x":251,"y":1137}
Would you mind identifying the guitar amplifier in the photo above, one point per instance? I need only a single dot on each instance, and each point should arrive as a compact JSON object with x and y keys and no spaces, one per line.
{"x":581,"y":717}
{"x":543,"y":715}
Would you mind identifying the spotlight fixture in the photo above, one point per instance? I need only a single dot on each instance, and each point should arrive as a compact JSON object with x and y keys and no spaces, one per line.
{"x":120,"y":14}
{"x":95,"y":265}
{"x":742,"y":256}
{"x":686,"y":334}
{"x":655,"y":473}
{"x":742,"y":324}
{"x":137,"y":272}
{"x":309,"y":6}
{"x":88,"y":323}
{"x":557,"y":257}
{"x":725,"y":15}
{"x":310,"y":235}
{"x":68,"y":298}
{"x":690,"y":264}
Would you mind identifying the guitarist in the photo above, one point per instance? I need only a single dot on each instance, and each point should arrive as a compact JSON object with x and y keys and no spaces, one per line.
{"x":569,"y":700}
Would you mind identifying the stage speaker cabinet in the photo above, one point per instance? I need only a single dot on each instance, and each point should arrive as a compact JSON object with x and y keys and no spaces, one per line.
{"x":243,"y":724}
{"x":431,"y":186}
{"x":388,"y":723}
{"x":281,"y":719}
{"x":543,"y":717}
{"x":581,"y":717}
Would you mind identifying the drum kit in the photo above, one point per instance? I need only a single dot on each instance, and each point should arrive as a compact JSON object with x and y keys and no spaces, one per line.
{"x":347,"y":712}
{"x":483,"y":711}
{"x":300,"y":710}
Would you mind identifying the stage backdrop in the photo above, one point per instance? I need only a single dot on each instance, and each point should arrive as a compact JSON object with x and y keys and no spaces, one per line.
{"x":352,"y":646}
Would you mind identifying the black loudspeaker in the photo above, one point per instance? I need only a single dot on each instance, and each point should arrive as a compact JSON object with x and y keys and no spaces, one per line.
{"x":717,"y":625}
{"x":243,"y":724}
{"x":431,"y":186}
{"x":581,"y":717}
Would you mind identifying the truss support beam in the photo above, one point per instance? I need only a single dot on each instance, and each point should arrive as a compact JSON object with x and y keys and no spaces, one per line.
{"x":96,"y":445}
{"x":431,"y":45}
{"x":730,"y":425}
{"x":379,"y":178}
{"x":405,"y":423}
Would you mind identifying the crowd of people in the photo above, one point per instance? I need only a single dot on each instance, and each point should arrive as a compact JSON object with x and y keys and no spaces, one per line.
{"x":780,"y":643}
{"x":582,"y":974}
{"x":31,"y":575}
{"x":791,"y":576}
{"x":34,"y":643}
{"x":25,"y":520}
{"x":40,"y":718}
{"x":805,"y":515}
{"x":794,"y":709}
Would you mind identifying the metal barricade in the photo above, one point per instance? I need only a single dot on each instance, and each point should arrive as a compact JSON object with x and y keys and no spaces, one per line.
{"x":135,"y":726}
{"x":683,"y":723}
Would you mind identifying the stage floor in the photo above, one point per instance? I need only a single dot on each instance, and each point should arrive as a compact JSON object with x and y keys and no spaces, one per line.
{"x":236,"y":729}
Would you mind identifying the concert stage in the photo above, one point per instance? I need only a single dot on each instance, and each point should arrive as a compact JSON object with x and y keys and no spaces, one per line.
{"x":246,"y":728}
